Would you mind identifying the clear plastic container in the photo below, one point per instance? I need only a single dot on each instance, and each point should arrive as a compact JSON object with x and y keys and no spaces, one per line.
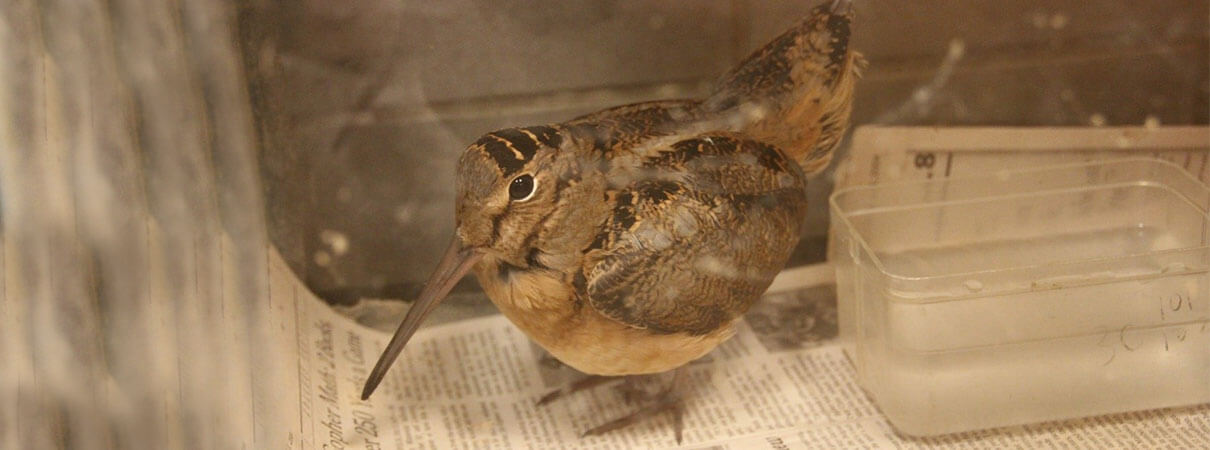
{"x":1029,"y":295}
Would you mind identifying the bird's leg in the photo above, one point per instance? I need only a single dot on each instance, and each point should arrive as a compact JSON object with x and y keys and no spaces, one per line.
{"x":575,"y":386}
{"x":666,"y":400}
{"x":633,"y":391}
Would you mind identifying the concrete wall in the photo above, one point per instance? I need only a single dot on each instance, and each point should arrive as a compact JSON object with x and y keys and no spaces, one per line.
{"x":365,"y":105}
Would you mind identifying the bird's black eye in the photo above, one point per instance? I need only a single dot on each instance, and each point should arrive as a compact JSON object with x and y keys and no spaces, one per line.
{"x":521,"y":188}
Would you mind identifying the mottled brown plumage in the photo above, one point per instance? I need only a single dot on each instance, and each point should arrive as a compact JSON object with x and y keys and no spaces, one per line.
{"x":628,"y":241}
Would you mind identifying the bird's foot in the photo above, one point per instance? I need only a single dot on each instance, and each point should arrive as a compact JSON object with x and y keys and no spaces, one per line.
{"x":669,"y":402}
{"x":634,"y":391}
{"x":587,"y":382}
{"x":666,"y":400}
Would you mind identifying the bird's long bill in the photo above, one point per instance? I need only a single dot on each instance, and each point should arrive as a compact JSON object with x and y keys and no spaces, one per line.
{"x":453,"y":266}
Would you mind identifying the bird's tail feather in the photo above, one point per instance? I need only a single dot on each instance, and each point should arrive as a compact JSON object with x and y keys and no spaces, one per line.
{"x":797,"y":91}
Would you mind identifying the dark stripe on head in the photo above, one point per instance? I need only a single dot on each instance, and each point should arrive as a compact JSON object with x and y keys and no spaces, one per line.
{"x":496,"y":221}
{"x":545,"y":135}
{"x":511,"y":148}
{"x":502,"y":153}
{"x":524,"y":143}
{"x":531,"y":258}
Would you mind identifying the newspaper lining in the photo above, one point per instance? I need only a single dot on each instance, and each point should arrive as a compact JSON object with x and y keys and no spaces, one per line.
{"x":474,"y":384}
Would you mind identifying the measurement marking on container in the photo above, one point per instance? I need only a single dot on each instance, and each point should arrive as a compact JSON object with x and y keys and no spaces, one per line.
{"x":1113,"y":351}
{"x":1180,"y":334}
{"x":1122,"y":339}
{"x":1174,"y":303}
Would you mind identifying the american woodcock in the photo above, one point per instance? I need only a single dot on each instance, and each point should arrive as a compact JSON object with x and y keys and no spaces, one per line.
{"x":629,"y":241}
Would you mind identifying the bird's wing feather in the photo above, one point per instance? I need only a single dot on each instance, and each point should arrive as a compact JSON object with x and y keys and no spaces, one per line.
{"x":614,"y":130}
{"x":732,"y":208}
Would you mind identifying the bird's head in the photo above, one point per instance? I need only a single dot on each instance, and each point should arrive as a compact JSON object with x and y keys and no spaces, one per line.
{"x":509,"y":185}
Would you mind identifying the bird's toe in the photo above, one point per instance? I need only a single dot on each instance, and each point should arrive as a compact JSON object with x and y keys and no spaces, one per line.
{"x":587,"y":382}
{"x":667,"y":403}
{"x":665,"y":400}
